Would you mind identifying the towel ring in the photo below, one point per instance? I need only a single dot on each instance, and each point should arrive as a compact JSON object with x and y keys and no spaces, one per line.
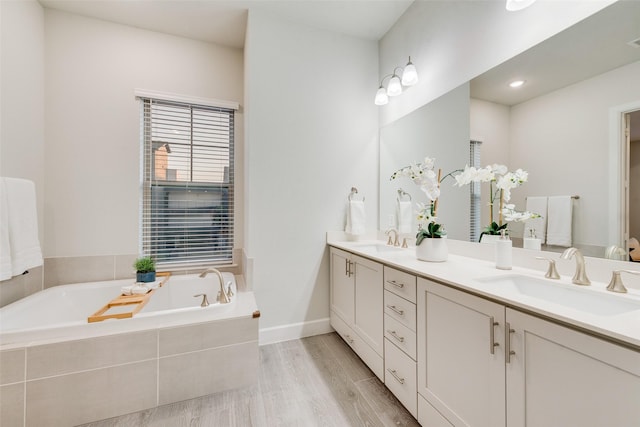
{"x":354,"y":192}
{"x":402,"y":193}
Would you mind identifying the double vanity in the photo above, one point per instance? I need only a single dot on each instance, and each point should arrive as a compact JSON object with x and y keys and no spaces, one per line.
{"x":461,"y":343}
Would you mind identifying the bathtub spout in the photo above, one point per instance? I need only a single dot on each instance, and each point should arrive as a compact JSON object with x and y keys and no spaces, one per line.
{"x":223,"y":296}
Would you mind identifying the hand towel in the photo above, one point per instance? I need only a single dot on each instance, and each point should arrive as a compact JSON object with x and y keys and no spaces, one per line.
{"x":404,"y":213}
{"x":536,"y":205}
{"x":356,"y":218}
{"x":23,"y":225}
{"x":5,"y":248}
{"x":559,"y":221}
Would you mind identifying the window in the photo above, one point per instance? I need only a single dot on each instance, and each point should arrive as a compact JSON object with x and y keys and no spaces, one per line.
{"x":187,"y":183}
{"x":474,"y":194}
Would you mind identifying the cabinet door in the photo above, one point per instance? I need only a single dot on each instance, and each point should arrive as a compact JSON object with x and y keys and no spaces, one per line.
{"x":369,"y":315}
{"x":561,"y":377}
{"x":461,"y":359}
{"x":342,"y":285}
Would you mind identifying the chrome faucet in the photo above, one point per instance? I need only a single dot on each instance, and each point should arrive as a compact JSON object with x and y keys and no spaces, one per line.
{"x":395,"y":241}
{"x":580,"y":278}
{"x":224,"y":297}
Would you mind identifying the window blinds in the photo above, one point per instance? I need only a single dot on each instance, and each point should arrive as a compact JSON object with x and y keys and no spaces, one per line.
{"x":187,"y":210}
{"x":474,"y":194}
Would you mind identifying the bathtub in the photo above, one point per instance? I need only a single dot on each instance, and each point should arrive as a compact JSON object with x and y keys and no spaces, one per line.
{"x":58,"y":369}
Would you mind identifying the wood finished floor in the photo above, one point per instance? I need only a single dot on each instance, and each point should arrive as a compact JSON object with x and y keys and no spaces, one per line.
{"x":315,"y":381}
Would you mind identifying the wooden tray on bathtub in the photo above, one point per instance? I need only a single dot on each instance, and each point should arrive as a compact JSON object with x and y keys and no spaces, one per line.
{"x":120,"y":304}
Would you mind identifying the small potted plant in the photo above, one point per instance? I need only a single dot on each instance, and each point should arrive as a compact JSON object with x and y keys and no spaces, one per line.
{"x":145,"y":269}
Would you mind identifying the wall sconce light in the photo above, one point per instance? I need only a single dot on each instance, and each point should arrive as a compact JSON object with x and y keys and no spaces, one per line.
{"x":394,"y":87}
{"x":514,"y":5}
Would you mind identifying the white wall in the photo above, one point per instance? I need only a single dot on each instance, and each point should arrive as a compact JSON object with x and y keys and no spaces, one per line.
{"x":311,"y":136}
{"x":562,"y":140}
{"x":93,"y":124}
{"x":22,"y":87}
{"x":450,"y":42}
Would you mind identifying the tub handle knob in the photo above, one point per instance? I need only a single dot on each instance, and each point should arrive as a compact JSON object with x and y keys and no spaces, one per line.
{"x":205,"y":301}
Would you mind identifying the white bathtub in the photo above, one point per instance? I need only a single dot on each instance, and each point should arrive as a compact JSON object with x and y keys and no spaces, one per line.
{"x":57,"y":367}
{"x":61,"y":312}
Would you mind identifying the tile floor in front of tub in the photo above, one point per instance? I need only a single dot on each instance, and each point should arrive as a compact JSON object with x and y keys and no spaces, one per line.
{"x":315,"y":381}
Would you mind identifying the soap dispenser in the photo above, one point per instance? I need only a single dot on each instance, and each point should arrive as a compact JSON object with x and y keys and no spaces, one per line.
{"x":503,"y":252}
{"x":532,"y":242}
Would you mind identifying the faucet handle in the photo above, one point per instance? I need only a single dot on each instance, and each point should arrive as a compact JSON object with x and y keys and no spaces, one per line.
{"x":205,"y":301}
{"x":404,"y":242}
{"x":552,"y":272}
{"x":615,"y":285}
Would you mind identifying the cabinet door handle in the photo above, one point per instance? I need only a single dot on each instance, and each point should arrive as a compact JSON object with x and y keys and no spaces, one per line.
{"x":396,"y":284}
{"x":350,"y":264}
{"x":395,"y":375}
{"x":395,"y":335}
{"x":492,"y":340}
{"x":396,"y":309}
{"x":346,"y":267}
{"x":507,"y":339}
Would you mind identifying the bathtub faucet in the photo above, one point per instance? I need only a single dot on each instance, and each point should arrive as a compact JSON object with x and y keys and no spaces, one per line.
{"x":224,"y":297}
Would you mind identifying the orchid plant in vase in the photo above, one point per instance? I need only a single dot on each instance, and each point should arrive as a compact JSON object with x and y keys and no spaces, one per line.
{"x":504,"y":182}
{"x":425,"y":176}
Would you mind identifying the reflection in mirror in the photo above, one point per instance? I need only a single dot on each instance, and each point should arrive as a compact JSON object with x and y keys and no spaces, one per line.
{"x":564,"y":126}
{"x":439,"y":130}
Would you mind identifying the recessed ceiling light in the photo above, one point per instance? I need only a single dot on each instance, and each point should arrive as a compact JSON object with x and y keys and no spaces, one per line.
{"x":516,"y":83}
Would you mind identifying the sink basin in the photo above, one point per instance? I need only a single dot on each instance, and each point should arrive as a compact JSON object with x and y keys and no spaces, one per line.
{"x":571,"y":296}
{"x":378,"y":248}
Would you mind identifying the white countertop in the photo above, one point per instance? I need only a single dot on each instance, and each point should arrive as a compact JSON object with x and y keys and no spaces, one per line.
{"x":463,"y":272}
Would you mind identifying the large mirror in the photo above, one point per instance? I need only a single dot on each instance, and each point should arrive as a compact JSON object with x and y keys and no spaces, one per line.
{"x":564,"y":126}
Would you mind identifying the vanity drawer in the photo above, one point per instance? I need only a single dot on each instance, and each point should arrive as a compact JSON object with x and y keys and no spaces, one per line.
{"x":400,"y":283}
{"x":359,"y":346}
{"x":403,"y":337}
{"x":400,"y":309}
{"x":400,"y":377}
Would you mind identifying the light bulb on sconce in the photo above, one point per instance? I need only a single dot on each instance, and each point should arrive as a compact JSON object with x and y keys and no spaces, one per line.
{"x":381,"y":96}
{"x":410,"y":74}
{"x":394,"y":87}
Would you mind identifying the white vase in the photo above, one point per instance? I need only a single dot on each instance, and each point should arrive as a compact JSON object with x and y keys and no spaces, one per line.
{"x":489,"y":238}
{"x":432,"y":250}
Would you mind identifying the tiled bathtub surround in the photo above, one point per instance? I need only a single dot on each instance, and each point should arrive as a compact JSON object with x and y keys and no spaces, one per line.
{"x":79,"y":381}
{"x":21,"y":286}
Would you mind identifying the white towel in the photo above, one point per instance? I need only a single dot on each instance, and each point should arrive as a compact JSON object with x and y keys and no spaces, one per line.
{"x":5,"y":248}
{"x":23,"y":225}
{"x":559,"y":221}
{"x":536,"y":205}
{"x":404,"y":213}
{"x":356,"y":218}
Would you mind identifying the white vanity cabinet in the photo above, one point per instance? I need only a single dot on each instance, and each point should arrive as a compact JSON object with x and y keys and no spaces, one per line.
{"x":461,"y":372}
{"x":561,"y":377}
{"x":479,"y":360}
{"x":357,"y":306}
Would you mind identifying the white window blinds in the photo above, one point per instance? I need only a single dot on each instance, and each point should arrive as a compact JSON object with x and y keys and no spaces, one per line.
{"x":187,"y":197}
{"x":474,"y":194}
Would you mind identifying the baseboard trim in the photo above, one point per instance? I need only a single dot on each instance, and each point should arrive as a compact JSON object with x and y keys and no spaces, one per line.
{"x":294,"y":331}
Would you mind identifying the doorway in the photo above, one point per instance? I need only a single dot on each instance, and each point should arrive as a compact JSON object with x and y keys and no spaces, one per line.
{"x":632,"y":121}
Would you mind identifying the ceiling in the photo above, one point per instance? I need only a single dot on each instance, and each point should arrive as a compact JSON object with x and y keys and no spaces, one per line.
{"x":224,"y":21}
{"x":593,"y":46}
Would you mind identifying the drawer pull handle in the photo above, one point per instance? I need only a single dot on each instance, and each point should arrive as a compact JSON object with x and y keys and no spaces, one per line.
{"x":395,"y":375}
{"x":396,"y":284}
{"x":396,"y":309}
{"x":395,"y":335}
{"x":348,"y":339}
